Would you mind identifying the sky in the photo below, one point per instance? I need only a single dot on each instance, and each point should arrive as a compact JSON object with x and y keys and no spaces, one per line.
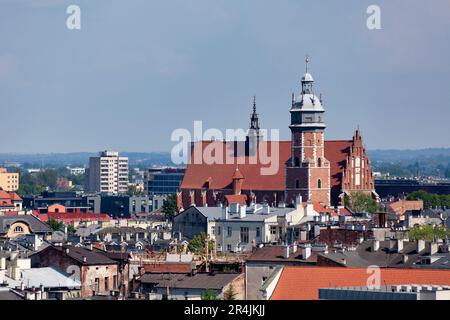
{"x":139,"y":69}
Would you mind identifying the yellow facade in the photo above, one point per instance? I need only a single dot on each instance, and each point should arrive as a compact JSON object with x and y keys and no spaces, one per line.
{"x":18,"y":228}
{"x":9,"y":181}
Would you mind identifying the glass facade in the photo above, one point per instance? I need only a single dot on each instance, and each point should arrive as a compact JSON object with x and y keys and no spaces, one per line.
{"x":165,"y":182}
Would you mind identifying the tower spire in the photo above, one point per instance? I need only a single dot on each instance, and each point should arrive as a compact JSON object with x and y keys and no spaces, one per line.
{"x":254,"y":119}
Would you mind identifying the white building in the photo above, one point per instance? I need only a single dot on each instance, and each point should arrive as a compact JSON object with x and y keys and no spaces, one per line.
{"x":108,"y":173}
{"x":76,"y":171}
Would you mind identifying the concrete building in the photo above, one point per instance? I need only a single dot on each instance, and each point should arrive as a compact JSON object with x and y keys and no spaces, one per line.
{"x":9,"y":181}
{"x":108,"y":173}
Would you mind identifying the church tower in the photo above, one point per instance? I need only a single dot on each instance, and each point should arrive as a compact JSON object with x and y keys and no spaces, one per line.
{"x":254,"y":134}
{"x":307,"y":171}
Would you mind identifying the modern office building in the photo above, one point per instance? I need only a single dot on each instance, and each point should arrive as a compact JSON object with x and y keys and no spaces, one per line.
{"x":9,"y":181}
{"x":163,"y":181}
{"x":108,"y":173}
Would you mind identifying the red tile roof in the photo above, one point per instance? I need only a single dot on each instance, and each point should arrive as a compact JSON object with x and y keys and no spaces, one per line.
{"x":167,"y":267}
{"x":320,"y":208}
{"x":220,"y":176}
{"x":7,"y":198}
{"x":303,"y":283}
{"x":70,"y":217}
{"x":234,"y":198}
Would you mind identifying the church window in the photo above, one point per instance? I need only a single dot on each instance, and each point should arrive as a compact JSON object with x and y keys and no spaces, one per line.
{"x":319,"y":162}
{"x":297,"y":184}
{"x":297,"y":162}
{"x":319,"y":184}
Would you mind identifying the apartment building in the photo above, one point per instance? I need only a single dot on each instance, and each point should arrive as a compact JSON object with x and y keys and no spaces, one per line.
{"x":108,"y":173}
{"x":9,"y":181}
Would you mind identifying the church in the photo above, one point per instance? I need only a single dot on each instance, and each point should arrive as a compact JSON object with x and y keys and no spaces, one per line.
{"x":310,"y":167}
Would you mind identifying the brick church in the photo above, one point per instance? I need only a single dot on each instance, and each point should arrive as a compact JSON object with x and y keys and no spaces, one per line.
{"x":319,"y":170}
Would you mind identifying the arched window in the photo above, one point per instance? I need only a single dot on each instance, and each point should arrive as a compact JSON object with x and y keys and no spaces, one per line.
{"x":319,"y":184}
{"x":297,"y":162}
{"x":18,"y":229}
{"x":319,"y":162}
{"x":297,"y":184}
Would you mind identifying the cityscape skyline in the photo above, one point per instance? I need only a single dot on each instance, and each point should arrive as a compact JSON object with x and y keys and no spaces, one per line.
{"x":99,"y":88}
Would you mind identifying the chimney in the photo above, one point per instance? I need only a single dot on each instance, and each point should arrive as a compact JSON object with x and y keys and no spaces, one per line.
{"x":266,"y":208}
{"x":242,"y":211}
{"x":375,"y":245}
{"x":225,"y":213}
{"x":298,"y":202}
{"x":405,"y":258}
{"x":294,"y":248}
{"x":420,"y":246}
{"x":399,"y":245}
{"x":433,"y":248}
{"x":306,"y":251}
{"x":286,"y":252}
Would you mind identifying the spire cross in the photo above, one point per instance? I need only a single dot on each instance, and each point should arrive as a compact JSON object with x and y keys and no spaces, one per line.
{"x":307,"y":62}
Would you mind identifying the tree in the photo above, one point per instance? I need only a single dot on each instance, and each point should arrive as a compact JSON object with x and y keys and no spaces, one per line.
{"x":430,"y":199}
{"x":427,"y":232}
{"x":71,"y":229}
{"x":55,"y":225}
{"x":169,"y":206}
{"x":230,"y":294}
{"x":209,"y":294}
{"x":197,"y":244}
{"x":360,"y":202}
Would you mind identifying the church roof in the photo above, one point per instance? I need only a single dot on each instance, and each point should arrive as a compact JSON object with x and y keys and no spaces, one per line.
{"x":336,"y":152}
{"x":220,"y":176}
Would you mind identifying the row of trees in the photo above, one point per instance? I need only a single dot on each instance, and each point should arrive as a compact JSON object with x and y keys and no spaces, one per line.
{"x":430,"y":199}
{"x":36,"y":183}
{"x":428,"y":232}
{"x":361,"y":202}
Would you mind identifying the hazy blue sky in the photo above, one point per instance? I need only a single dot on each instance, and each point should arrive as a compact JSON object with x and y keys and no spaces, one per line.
{"x":139,"y":69}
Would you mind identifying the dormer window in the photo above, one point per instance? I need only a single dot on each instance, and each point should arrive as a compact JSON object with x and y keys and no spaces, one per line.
{"x":18,"y":229}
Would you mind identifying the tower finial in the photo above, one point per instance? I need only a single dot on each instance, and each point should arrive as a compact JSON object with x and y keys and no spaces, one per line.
{"x":254,"y":103}
{"x":307,"y":59}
